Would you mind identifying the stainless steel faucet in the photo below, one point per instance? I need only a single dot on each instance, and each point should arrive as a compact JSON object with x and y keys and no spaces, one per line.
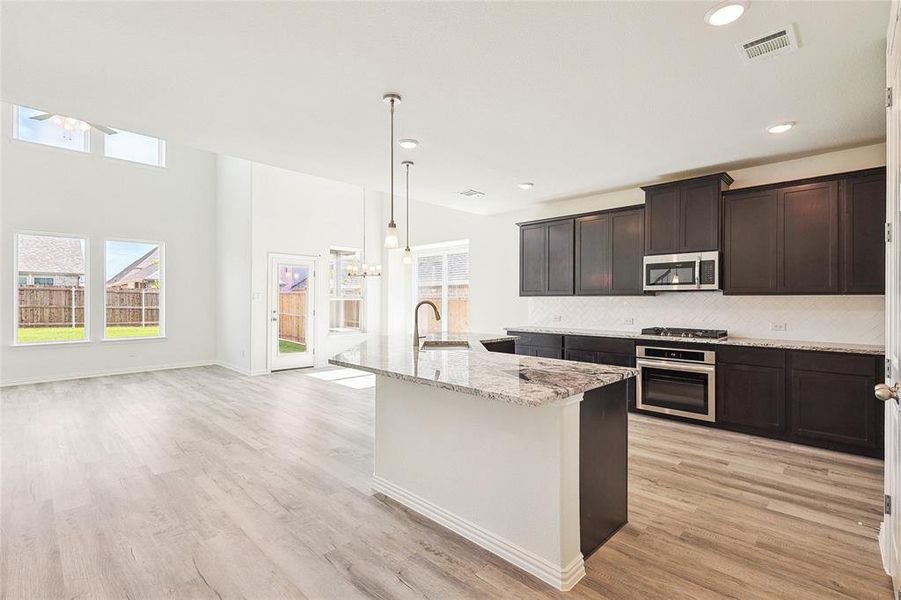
{"x":416,"y":336}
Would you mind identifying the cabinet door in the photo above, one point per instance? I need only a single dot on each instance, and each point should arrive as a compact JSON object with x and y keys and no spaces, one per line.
{"x":662,"y":211}
{"x":560,"y":257}
{"x":593,"y":255}
{"x":751,"y":396}
{"x":832,"y":399}
{"x":863,"y":234}
{"x":750,"y":243}
{"x":580,"y":355}
{"x":808,"y":239}
{"x":627,"y":252}
{"x":699,"y":227}
{"x":533,"y":260}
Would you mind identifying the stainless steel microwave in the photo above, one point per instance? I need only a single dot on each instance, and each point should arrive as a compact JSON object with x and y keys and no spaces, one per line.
{"x":686,"y":272}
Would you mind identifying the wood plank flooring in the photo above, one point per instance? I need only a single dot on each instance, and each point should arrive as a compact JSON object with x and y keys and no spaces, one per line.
{"x":201,"y":483}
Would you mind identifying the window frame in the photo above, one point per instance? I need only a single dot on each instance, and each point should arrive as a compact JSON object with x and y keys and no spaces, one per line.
{"x":361,"y":300}
{"x":161,"y":164}
{"x":16,"y":137}
{"x":442,"y":249}
{"x":162,"y":301}
{"x":86,"y":289}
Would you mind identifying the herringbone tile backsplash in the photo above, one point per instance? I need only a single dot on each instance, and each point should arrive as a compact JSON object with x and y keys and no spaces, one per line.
{"x":854,"y":319}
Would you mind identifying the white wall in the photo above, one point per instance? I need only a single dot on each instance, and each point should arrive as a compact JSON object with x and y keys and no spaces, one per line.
{"x":62,"y":191}
{"x":294,"y":213}
{"x":494,"y":263}
{"x":233,"y":262}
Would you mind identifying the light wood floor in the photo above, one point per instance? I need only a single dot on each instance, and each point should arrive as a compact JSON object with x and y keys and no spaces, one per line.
{"x":200,"y":483}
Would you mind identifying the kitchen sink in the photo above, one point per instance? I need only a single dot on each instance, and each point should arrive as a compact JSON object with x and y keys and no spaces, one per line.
{"x":444,"y":344}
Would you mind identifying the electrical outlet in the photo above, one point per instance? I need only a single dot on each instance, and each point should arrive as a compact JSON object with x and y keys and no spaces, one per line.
{"x":556,"y":318}
{"x":778,"y":327}
{"x":629,"y":321}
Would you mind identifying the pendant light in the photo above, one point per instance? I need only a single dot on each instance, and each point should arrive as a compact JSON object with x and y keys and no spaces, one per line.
{"x":391,"y":235}
{"x":364,"y":270}
{"x":408,"y":255}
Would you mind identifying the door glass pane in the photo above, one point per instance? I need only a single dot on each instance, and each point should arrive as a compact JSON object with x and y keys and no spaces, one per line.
{"x":292,"y":308}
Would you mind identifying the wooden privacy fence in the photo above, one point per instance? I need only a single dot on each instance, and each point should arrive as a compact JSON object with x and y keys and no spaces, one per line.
{"x":63,"y":306}
{"x":292,"y":316}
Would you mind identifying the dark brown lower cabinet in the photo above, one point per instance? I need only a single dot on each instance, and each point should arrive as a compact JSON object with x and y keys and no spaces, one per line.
{"x":751,"y":396}
{"x":539,"y":344}
{"x":832,"y":401}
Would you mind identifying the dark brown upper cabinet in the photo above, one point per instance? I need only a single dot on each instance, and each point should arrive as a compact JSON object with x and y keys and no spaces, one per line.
{"x":684,"y":216}
{"x":817,"y":236}
{"x":750,"y":248}
{"x":592,"y":254}
{"x":546,"y":255}
{"x":862,"y":241}
{"x":808,"y":239}
{"x":609,"y":249}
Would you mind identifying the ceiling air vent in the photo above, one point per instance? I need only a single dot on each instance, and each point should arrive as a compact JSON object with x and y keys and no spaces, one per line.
{"x":471,"y":193}
{"x":772,"y":44}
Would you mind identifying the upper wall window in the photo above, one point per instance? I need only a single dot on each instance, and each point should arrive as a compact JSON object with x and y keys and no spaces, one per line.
{"x":126,"y":145}
{"x":32,"y":125}
{"x":50,"y":290}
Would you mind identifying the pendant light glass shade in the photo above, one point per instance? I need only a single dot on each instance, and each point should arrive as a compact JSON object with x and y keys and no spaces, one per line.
{"x":391,"y":236}
{"x":408,"y":257}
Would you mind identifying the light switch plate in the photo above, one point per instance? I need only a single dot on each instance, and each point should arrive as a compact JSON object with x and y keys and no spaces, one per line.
{"x":629,"y":321}
{"x":556,"y":318}
{"x":778,"y":327}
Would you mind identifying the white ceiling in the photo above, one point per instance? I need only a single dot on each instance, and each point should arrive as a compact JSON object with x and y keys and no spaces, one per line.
{"x":577,"y":97}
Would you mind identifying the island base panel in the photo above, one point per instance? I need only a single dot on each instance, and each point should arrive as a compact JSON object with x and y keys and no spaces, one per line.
{"x":603,"y":464}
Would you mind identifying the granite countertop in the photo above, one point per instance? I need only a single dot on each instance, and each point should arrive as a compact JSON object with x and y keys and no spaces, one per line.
{"x":730,"y":341}
{"x":521,"y":380}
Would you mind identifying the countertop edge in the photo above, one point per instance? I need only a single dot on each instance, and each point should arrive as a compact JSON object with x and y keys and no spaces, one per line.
{"x":812,"y":346}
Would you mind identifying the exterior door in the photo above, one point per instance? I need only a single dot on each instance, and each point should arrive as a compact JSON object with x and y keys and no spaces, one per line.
{"x":291,"y":310}
{"x":890,"y":534}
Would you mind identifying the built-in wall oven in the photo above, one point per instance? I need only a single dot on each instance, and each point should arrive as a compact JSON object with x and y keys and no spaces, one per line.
{"x":682,"y":272}
{"x":676,"y":381}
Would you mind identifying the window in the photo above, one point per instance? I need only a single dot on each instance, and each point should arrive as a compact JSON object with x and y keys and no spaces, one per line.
{"x":441,"y":274}
{"x":51,"y":309}
{"x":134,"y":290}
{"x":51,"y":130}
{"x":345,"y":291}
{"x":135,"y":147}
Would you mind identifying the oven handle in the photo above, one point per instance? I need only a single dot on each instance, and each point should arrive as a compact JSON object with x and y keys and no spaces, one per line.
{"x":676,"y":366}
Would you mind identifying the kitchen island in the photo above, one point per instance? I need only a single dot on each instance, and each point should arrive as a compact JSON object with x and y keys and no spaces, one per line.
{"x":525,"y":456}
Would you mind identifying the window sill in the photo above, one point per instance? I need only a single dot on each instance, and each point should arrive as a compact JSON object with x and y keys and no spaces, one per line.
{"x":45,"y":344}
{"x":144,"y":338}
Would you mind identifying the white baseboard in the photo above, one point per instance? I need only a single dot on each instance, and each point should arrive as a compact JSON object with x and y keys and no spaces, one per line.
{"x":105,"y":373}
{"x":562,"y":577}
{"x":234,"y":368}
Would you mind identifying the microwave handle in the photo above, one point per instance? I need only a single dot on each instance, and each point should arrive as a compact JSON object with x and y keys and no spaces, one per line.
{"x":698,"y":272}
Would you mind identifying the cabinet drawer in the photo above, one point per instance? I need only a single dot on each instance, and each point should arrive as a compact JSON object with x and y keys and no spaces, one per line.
{"x":762,"y":357}
{"x":545,"y":340}
{"x":833,"y":362}
{"x":600,"y":344}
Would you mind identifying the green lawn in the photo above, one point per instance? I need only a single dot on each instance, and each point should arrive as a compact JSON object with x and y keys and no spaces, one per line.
{"x":286,"y":347}
{"x":61,"y":334}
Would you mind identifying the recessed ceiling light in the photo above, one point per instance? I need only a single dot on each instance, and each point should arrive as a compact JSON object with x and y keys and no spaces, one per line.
{"x":725,"y":12}
{"x":526,"y":185}
{"x":408,"y":143}
{"x":781,"y":127}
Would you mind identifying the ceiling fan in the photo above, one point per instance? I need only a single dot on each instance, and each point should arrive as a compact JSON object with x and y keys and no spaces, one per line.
{"x":71,"y":124}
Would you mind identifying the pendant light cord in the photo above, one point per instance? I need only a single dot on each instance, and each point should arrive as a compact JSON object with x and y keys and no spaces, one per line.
{"x":408,"y":204}
{"x":391,"y":166}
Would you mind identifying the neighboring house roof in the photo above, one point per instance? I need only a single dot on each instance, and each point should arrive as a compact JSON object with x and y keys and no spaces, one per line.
{"x":145,"y":268}
{"x":50,"y":254}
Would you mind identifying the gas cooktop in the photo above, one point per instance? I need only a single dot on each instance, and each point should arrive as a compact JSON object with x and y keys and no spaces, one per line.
{"x":712,"y":334}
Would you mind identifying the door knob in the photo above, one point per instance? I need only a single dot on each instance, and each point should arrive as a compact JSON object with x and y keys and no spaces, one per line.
{"x":885,"y":392}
